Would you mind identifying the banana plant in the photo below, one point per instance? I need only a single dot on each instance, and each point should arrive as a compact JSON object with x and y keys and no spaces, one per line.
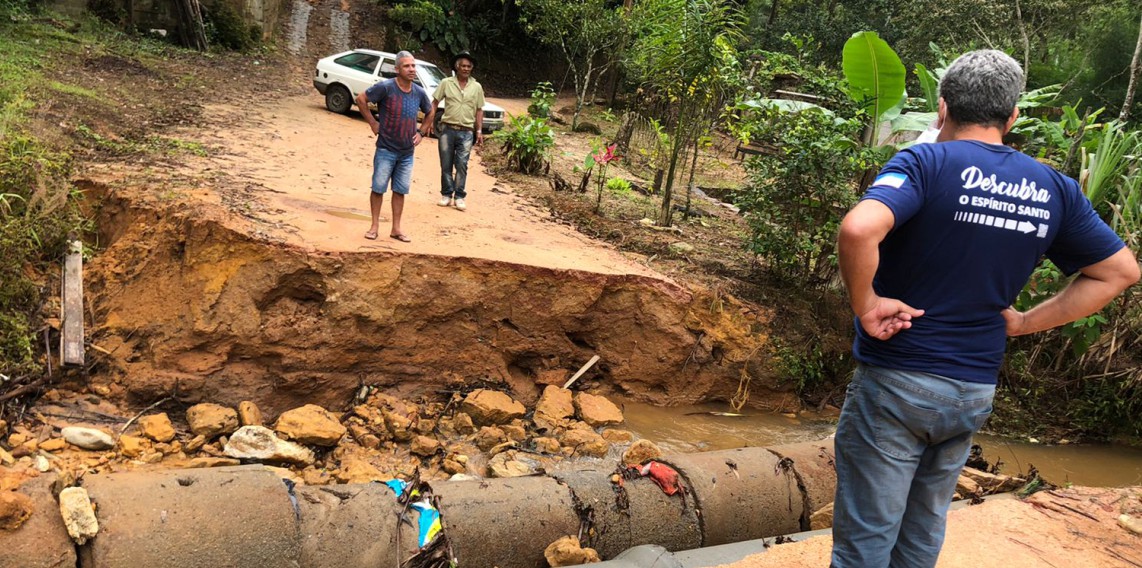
{"x":875,"y":78}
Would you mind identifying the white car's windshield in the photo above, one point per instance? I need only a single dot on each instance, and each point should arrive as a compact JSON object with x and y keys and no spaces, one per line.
{"x":431,"y":75}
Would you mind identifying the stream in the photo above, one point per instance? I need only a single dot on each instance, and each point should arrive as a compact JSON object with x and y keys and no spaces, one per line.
{"x":679,"y":430}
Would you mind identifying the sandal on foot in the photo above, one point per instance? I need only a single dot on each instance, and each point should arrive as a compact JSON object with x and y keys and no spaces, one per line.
{"x":371,"y":235}
{"x":402,"y":238}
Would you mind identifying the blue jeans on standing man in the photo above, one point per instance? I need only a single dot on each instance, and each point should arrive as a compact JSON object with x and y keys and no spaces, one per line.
{"x":901,"y":443}
{"x":455,"y":147}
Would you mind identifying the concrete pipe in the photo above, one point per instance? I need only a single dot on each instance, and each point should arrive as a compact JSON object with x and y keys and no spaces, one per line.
{"x":639,"y":513}
{"x":352,"y":526}
{"x":816,"y":471}
{"x":742,"y":494}
{"x":505,"y":522}
{"x":42,"y":540}
{"x":230,"y":516}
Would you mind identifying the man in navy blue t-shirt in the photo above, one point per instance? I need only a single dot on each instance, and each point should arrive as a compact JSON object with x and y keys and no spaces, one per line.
{"x":933,"y":256}
{"x":398,"y":101}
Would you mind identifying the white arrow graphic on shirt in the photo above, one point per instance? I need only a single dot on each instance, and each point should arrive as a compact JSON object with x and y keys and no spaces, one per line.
{"x":1024,"y":227}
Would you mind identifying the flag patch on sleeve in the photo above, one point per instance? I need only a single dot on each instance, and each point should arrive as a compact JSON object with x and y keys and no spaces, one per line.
{"x":890,"y":180}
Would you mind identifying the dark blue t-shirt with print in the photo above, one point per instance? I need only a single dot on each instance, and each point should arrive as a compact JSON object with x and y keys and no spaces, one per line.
{"x":397,"y":112}
{"x":972,"y":220}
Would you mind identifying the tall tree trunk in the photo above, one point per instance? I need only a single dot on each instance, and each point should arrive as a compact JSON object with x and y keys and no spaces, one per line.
{"x":1133,"y":86}
{"x":772,"y":14}
{"x":1024,"y":40}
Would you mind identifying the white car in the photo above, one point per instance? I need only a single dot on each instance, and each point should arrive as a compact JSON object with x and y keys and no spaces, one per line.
{"x":341,"y":77}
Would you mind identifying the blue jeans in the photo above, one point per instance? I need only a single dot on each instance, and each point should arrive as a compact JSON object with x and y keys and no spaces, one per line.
{"x":388,"y":165}
{"x":455,"y":147}
{"x":901,"y":443}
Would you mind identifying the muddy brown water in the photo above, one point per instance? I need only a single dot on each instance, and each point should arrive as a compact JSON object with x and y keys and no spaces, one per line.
{"x":679,"y":430}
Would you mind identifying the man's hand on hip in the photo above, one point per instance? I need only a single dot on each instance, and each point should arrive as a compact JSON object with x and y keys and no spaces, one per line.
{"x":416,"y":139}
{"x":376,"y":128}
{"x":886,"y":317}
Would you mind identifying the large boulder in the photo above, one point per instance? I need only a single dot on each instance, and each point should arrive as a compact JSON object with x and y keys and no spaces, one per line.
{"x":597,"y":410}
{"x":211,"y":420}
{"x":489,"y":407}
{"x":260,"y":443}
{"x":310,"y":424}
{"x":554,"y":404}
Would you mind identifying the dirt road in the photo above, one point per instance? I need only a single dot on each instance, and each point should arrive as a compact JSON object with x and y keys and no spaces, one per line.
{"x":314,"y":167}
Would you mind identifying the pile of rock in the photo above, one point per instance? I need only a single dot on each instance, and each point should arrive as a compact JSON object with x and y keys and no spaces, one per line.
{"x":483,"y":433}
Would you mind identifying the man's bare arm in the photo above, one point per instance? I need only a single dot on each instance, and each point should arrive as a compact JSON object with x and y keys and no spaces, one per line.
{"x":363,"y":107}
{"x":1094,"y":288}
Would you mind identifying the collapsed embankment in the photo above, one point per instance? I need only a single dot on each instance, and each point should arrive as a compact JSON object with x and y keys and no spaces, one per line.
{"x":185,"y":305}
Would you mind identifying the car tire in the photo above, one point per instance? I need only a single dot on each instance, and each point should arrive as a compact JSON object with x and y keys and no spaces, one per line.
{"x":338,"y":99}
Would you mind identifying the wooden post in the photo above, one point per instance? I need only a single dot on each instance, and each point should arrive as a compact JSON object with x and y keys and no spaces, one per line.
{"x":71,"y":337}
{"x":582,"y":370}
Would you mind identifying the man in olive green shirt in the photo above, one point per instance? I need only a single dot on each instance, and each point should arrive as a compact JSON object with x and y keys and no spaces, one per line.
{"x":460,"y":126}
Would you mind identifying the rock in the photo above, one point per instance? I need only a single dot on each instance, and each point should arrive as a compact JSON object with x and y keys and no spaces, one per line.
{"x":260,"y":443}
{"x":314,"y":476}
{"x":617,"y":436}
{"x":249,"y":414}
{"x":41,"y":464}
{"x":547,"y":445}
{"x":399,"y":425}
{"x":1130,"y":523}
{"x":507,"y":465}
{"x":499,"y":448}
{"x":364,"y":436}
{"x":6,"y":458}
{"x":15,"y":508}
{"x":53,"y":445}
{"x":489,"y":407}
{"x":681,"y":247}
{"x":514,"y":433}
{"x":489,"y":437}
{"x":454,"y":467}
{"x":212,"y":462}
{"x":641,"y":452}
{"x":195,"y":444}
{"x":211,"y":420}
{"x":567,"y":552}
{"x":822,"y":518}
{"x":463,"y":425}
{"x":966,"y":486}
{"x":17,"y":439}
{"x":78,"y":514}
{"x":310,"y":424}
{"x":356,"y":470}
{"x":157,"y":427}
{"x":132,"y":446}
{"x":88,"y":438}
{"x":424,"y":446}
{"x":152,"y":457}
{"x":554,"y":404}
{"x":597,"y":410}
{"x":585,"y":442}
{"x":589,"y":127}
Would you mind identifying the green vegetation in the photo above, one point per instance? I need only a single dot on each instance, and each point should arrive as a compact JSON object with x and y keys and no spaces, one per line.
{"x":526,"y":141}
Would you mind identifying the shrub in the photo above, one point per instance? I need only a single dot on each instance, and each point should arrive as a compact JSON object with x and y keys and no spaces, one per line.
{"x":619,"y":186}
{"x":225,"y":27}
{"x":527,"y":141}
{"x":795,"y":200}
{"x":542,"y":97}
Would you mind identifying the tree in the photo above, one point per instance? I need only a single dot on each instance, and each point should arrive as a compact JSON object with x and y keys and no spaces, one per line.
{"x":581,"y":30}
{"x":684,"y":54}
{"x":1134,"y":65}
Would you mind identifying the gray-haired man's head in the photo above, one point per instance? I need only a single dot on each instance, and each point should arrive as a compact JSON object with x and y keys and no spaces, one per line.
{"x":982,"y":87}
{"x":403,"y":54}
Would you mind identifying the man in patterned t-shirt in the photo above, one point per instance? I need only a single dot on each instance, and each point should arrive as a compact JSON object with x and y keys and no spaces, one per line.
{"x":398,"y":101}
